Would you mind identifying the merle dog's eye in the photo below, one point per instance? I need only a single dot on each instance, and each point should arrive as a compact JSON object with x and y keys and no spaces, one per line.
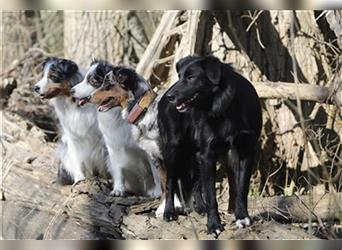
{"x":120,"y":78}
{"x":93,"y":82}
{"x":189,"y":78}
{"x":107,"y":87}
{"x":54,"y":79}
{"x":122,"y":86}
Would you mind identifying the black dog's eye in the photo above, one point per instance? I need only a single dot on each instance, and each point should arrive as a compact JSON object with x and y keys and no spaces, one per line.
{"x":189,"y":78}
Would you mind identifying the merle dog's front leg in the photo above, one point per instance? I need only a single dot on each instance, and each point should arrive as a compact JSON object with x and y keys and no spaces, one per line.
{"x":207,"y":162}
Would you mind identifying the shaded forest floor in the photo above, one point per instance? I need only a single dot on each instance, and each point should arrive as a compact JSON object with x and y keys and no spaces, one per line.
{"x":33,"y":206}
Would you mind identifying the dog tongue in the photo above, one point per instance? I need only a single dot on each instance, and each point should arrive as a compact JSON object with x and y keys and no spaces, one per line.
{"x":102,"y":108}
{"x":42,"y":97}
{"x":179,"y":107}
{"x":82,"y":101}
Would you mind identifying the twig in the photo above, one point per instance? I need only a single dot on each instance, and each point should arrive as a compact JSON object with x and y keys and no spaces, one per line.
{"x":254,"y":19}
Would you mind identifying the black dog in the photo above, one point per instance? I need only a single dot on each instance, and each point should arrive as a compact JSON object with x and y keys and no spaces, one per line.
{"x":211,"y":114}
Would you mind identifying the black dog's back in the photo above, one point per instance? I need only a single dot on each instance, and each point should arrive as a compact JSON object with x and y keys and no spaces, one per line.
{"x":245,"y":107}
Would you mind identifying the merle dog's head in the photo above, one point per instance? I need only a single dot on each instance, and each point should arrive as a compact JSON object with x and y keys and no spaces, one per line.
{"x":122,"y":86}
{"x":59,"y":76}
{"x":130,"y":80}
{"x":92,"y":81}
{"x":199,"y":79}
{"x":111,"y":94}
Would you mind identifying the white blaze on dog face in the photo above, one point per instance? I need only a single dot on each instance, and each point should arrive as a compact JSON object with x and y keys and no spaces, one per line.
{"x":84,"y":89}
{"x":44,"y":82}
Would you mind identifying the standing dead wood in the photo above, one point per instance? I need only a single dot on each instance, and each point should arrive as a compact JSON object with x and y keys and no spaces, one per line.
{"x":158,"y":41}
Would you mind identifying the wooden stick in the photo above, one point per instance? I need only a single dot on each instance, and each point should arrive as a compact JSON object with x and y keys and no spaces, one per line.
{"x":157,"y":43}
{"x":305,"y":92}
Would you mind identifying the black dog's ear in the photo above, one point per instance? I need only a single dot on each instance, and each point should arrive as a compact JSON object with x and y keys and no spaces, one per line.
{"x":212,"y":67}
{"x":184,"y":62}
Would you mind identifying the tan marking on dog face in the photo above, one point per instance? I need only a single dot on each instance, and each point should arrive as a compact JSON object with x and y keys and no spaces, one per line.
{"x":56,"y":89}
{"x":116,"y":92}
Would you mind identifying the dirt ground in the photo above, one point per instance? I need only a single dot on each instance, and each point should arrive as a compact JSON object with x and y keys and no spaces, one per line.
{"x":33,"y":206}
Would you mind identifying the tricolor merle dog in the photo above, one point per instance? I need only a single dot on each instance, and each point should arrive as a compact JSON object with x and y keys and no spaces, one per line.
{"x":82,"y":152}
{"x":210,"y":114}
{"x":131,"y":167}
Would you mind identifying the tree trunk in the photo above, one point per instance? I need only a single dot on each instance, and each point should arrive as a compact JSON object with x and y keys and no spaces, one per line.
{"x":280,"y":46}
{"x":117,"y":36}
{"x":95,"y":34}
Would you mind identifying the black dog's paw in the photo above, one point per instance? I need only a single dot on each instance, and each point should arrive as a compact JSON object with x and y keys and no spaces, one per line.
{"x":169,"y":215}
{"x":200,"y":209}
{"x":215,"y":228}
{"x":245,"y":222}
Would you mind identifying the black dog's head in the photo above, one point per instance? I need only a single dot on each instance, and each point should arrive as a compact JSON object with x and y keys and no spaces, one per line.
{"x":59,"y":76}
{"x":199,"y":78}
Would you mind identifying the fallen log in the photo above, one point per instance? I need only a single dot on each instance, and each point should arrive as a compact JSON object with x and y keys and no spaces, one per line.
{"x":324,"y":207}
{"x":33,"y":206}
{"x":304,"y":92}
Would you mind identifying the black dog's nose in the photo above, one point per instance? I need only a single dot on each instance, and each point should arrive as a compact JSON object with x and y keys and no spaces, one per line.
{"x":171,"y":97}
{"x":72,"y":91}
{"x":36,"y":88}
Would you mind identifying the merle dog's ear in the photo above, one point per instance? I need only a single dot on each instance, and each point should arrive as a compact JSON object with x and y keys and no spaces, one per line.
{"x":109,"y":78}
{"x":94,"y":60}
{"x":121,"y":76}
{"x":184,"y":62}
{"x":107,"y":68}
{"x":68,"y":67}
{"x":212,"y":67}
{"x":46,"y":60}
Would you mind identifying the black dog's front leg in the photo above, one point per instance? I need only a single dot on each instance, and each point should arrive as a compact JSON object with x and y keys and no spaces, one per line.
{"x":169,"y":211}
{"x":207,"y":162}
{"x":200,"y":206}
{"x":243,"y":174}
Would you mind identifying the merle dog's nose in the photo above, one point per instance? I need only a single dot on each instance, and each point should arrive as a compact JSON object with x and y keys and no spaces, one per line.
{"x":36,"y":88}
{"x":171,"y":97}
{"x":72,"y":91}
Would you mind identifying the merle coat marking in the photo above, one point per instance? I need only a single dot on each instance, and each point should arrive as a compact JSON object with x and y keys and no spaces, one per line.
{"x":81,"y":148}
{"x":129,"y":165}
